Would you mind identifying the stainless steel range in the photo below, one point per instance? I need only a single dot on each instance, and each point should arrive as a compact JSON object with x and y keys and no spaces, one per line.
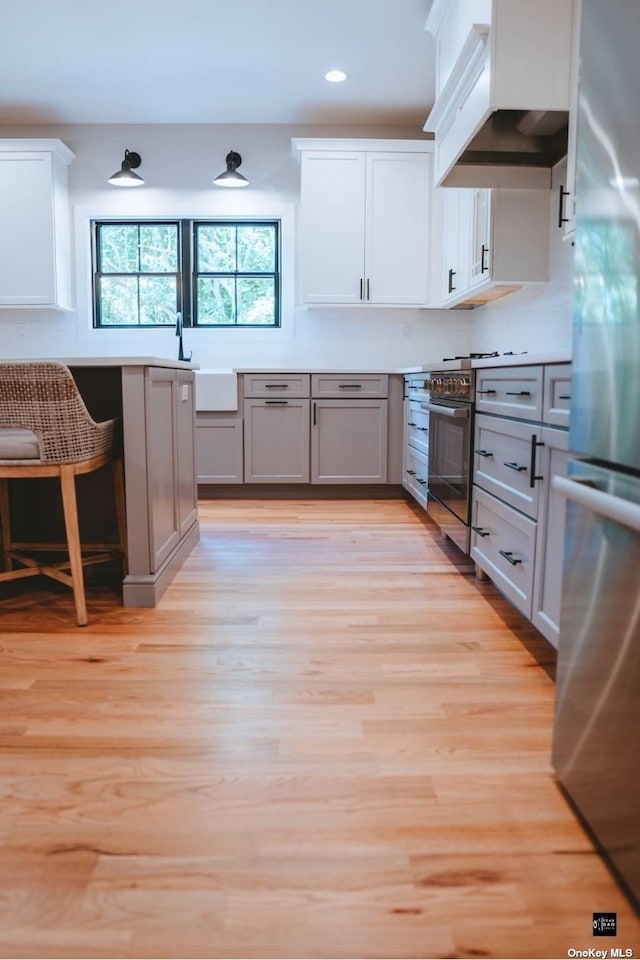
{"x":450,"y":406}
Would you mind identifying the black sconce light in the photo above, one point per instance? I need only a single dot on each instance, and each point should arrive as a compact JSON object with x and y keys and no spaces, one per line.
{"x":231,"y":177}
{"x":125,"y":177}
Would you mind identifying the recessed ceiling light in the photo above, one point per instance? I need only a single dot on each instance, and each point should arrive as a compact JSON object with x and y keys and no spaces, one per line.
{"x":335,"y":76}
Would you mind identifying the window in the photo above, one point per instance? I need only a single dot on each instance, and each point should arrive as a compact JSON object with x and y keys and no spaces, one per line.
{"x":217,"y":273}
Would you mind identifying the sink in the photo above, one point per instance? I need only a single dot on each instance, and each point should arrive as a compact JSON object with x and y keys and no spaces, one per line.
{"x":216,"y":389}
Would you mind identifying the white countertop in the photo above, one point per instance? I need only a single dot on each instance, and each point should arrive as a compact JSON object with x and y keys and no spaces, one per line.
{"x":328,"y":370}
{"x":111,"y":362}
{"x":515,"y":360}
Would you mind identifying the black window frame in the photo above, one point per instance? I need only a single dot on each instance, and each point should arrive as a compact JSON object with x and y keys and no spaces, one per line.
{"x":187,"y":276}
{"x":97,"y":274}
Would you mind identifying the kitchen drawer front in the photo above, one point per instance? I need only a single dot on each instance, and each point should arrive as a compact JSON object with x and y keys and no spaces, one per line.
{"x":415,"y":385}
{"x":349,"y":385}
{"x":415,"y":479}
{"x":502,"y":461}
{"x":277,"y":385}
{"x":557,"y":394}
{"x":503,"y":544}
{"x":418,"y":427}
{"x":510,"y":392}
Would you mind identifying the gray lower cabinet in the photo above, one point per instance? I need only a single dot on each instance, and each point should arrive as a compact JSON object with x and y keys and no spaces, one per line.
{"x":220,"y":457}
{"x":276,"y":441}
{"x":547,"y":591}
{"x":518,"y":520}
{"x":170,"y":456}
{"x":187,"y":494}
{"x":349,"y":441}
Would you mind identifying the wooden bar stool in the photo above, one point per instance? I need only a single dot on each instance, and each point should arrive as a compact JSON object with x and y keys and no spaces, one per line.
{"x":47,"y":431}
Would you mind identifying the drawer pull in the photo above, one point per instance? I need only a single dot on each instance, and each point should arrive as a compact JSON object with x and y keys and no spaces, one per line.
{"x":411,"y":473}
{"x":412,"y":424}
{"x":452,"y":274}
{"x":518,"y":393}
{"x":564,"y":396}
{"x":486,"y":391}
{"x":481,"y":531}
{"x":513,"y":465}
{"x":420,"y":480}
{"x":277,"y":386}
{"x":483,"y":453}
{"x":276,"y":403}
{"x":535,"y":443}
{"x":423,"y":429}
{"x":350,"y":386}
{"x":508,"y":555}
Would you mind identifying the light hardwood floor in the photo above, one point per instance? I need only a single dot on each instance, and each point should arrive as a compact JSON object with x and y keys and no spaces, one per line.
{"x":325,"y":742}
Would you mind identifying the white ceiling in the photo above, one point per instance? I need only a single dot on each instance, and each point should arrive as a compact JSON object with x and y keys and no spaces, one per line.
{"x":215,"y":61}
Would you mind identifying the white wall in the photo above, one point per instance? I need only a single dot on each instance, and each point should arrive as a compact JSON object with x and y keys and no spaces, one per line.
{"x":537,"y":318}
{"x":178,"y":165}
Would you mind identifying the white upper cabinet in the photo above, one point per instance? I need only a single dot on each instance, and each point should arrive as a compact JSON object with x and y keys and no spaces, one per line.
{"x":364,"y":222}
{"x":568,"y":193}
{"x":34,"y":227}
{"x":503,"y":79}
{"x":492,"y":242}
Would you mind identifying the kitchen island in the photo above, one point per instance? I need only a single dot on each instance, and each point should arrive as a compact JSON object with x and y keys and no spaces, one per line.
{"x":154,"y":400}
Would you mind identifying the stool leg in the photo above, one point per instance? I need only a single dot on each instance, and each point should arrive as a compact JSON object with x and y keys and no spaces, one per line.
{"x":70,"y":505}
{"x":5,"y":524}
{"x":121,"y":513}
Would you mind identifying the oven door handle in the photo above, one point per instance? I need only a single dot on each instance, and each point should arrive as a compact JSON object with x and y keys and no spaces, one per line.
{"x":460,"y":412}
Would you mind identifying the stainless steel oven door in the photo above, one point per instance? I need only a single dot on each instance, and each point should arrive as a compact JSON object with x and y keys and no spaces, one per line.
{"x":450,"y":426}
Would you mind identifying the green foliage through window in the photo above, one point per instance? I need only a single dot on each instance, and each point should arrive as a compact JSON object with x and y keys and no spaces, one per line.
{"x":217,"y":273}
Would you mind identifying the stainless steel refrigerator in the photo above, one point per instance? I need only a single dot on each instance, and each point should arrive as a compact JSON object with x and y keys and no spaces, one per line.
{"x":596,"y":746}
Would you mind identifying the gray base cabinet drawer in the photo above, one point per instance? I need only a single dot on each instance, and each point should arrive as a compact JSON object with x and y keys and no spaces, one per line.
{"x":510,"y":392}
{"x":349,"y":385}
{"x":504,"y":453}
{"x":417,"y":427}
{"x":275,"y":385}
{"x":557,"y":394}
{"x":503,"y":544}
{"x":415,"y":476}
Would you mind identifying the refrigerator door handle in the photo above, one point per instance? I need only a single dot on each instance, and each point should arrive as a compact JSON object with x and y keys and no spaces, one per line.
{"x":586,"y":495}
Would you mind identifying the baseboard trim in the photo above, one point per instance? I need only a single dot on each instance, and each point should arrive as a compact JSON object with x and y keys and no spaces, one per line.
{"x":300,"y":491}
{"x":145,"y":590}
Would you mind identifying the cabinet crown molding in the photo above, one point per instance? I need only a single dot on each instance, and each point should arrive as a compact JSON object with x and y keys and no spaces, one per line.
{"x":56,"y":147}
{"x":300,"y":144}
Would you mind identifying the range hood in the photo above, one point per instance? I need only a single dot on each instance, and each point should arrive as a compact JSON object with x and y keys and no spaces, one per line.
{"x":501,"y":117}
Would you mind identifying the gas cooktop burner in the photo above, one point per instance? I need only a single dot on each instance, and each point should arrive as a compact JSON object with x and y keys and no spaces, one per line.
{"x":483,"y":356}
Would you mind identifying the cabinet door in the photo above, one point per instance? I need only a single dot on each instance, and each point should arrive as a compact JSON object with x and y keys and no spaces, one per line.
{"x":27,"y":237}
{"x":349,"y":441}
{"x":332,"y":206}
{"x":567,"y":194}
{"x":397,"y":228}
{"x":547,"y":597}
{"x":480,"y":232}
{"x":162,"y":476}
{"x":187,"y":491}
{"x":219,"y":450}
{"x":276,"y":441}
{"x":456,"y":215}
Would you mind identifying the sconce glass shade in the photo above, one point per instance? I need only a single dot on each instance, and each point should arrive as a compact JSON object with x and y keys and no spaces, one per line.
{"x":125,"y":177}
{"x":231,"y":177}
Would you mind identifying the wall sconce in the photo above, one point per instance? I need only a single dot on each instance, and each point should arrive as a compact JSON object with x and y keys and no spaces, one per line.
{"x":231,"y":177}
{"x":125,"y":177}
